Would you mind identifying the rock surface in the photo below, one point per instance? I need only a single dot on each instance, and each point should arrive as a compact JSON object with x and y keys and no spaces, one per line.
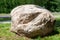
{"x":31,"y":20}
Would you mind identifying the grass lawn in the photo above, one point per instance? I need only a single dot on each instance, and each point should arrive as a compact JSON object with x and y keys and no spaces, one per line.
{"x":5,"y":33}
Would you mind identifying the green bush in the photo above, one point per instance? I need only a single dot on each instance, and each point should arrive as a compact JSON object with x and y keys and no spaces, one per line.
{"x":7,"y":5}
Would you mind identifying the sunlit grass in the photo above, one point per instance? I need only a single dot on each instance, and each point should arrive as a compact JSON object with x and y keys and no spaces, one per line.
{"x":5,"y":33}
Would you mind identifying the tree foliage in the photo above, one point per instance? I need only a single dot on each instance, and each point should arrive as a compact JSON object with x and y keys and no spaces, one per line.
{"x":7,"y":5}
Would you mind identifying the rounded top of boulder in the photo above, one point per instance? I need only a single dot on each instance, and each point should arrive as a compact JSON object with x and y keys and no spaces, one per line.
{"x":28,"y":9}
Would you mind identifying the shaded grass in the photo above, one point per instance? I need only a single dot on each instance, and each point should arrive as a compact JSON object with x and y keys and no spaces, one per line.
{"x":5,"y":19}
{"x":56,"y":33}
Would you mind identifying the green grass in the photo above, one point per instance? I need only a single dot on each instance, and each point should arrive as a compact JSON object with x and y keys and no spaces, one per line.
{"x":5,"y":33}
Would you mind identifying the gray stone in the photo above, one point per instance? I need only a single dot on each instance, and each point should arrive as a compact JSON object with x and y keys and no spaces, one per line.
{"x":31,"y":20}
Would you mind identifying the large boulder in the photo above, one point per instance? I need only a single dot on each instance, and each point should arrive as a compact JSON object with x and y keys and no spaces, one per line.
{"x":31,"y":20}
